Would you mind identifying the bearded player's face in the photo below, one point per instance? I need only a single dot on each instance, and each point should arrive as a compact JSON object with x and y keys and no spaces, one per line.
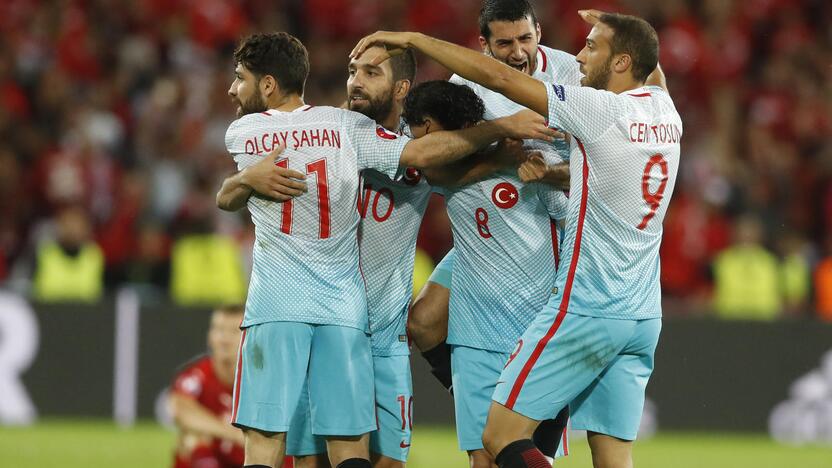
{"x":513,"y":43}
{"x":245,"y":92}
{"x":595,"y":58}
{"x":370,"y":87}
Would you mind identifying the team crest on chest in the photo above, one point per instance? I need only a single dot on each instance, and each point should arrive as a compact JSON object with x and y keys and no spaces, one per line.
{"x":504,"y":195}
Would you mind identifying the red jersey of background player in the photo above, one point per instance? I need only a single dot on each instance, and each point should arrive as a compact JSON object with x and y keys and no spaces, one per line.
{"x":199,"y":381}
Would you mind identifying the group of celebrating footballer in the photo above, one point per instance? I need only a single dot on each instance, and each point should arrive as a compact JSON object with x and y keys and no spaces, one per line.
{"x":549,"y":302}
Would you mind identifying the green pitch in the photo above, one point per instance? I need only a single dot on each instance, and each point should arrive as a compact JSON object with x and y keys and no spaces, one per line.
{"x":76,"y":444}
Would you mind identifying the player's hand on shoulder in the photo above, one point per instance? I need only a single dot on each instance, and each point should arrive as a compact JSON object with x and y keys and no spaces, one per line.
{"x":527,"y":125}
{"x":269,"y":180}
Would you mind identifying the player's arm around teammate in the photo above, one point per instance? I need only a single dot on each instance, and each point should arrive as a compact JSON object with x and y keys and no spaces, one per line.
{"x":264,"y":178}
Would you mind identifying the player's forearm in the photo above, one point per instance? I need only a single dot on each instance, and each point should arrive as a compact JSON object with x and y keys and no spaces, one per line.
{"x":190,"y":416}
{"x":467,"y":171}
{"x":657,"y":78}
{"x":446,"y":147}
{"x":489,"y":72}
{"x":234,"y":193}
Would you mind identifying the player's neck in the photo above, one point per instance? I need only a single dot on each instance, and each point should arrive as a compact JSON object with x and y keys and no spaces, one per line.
{"x":393,"y":120}
{"x":287,"y":103}
{"x":622,"y":83}
{"x":224,"y":375}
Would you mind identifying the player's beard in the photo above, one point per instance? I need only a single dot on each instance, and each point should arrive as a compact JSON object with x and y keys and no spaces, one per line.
{"x":376,"y":108}
{"x":254,"y":104}
{"x":600,"y":78}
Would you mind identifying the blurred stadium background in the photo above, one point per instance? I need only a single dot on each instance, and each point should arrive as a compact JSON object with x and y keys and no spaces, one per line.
{"x":112,"y":117}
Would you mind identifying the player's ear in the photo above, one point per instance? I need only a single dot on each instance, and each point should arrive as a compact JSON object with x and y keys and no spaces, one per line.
{"x":484,"y":44}
{"x":401,"y":88}
{"x":268,"y":86}
{"x":539,"y":32}
{"x":621,"y":63}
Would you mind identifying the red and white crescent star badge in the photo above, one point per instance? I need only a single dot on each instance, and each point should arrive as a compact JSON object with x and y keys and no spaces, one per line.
{"x":412,"y":176}
{"x":504,"y":195}
{"x":383,"y":133}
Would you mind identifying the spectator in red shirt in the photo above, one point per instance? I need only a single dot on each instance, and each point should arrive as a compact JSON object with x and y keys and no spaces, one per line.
{"x":201,"y":399}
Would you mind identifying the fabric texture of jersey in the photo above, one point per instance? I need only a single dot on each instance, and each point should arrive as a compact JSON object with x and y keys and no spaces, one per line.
{"x":504,"y":268}
{"x":624,"y":162}
{"x":391,"y":212}
{"x":312,"y":239}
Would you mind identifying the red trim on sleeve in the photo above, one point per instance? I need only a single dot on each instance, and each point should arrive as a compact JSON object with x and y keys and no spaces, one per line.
{"x":567,"y":291}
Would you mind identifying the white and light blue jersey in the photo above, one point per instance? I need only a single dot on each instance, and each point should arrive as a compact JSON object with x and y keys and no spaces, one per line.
{"x":505,"y":240}
{"x":391,"y":213}
{"x":306,"y":257}
{"x":624,"y":162}
{"x":504,"y":270}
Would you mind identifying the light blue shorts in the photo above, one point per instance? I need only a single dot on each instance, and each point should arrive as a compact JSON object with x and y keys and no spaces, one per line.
{"x":442,"y":272}
{"x":475,"y":373}
{"x":394,"y":412}
{"x":277,"y":358}
{"x":599,"y":367}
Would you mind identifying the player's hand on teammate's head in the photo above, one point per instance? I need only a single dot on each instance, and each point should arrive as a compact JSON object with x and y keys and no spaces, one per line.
{"x":528,"y":125}
{"x":394,"y":42}
{"x":591,"y":16}
{"x":271,"y":181}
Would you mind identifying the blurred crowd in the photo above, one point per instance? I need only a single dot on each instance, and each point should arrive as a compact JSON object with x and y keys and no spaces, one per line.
{"x":113,"y":113}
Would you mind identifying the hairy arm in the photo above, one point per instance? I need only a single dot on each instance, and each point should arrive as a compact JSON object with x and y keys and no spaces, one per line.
{"x":478,"y":166}
{"x":264,"y":178}
{"x":445,"y":147}
{"x":469,"y":64}
{"x":535,"y":169}
{"x":192,"y":417}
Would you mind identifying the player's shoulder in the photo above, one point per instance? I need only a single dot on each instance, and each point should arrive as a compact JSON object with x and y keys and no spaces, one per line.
{"x":198,"y":364}
{"x":458,"y":80}
{"x":556,"y":56}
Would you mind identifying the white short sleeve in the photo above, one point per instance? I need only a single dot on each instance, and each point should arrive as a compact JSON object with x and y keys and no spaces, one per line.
{"x":374,"y":146}
{"x":584,"y":112}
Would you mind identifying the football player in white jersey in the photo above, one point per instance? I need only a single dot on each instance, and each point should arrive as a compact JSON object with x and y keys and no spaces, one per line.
{"x":509,"y":32}
{"x":592,"y":346}
{"x":306,"y":317}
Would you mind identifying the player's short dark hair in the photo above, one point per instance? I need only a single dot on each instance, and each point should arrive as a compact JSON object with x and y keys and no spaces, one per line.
{"x":278,"y":54}
{"x":637,"y":38}
{"x":404,"y":66}
{"x":453,"y":106}
{"x":504,"y":10}
{"x":230,"y":309}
